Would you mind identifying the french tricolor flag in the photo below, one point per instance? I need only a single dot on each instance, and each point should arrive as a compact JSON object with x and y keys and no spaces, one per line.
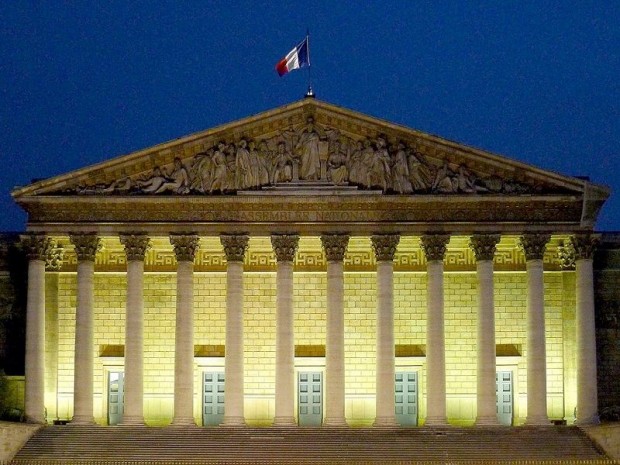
{"x":294,"y":59}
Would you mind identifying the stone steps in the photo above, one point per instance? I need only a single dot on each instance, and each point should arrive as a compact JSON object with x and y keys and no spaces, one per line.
{"x":195,"y":445}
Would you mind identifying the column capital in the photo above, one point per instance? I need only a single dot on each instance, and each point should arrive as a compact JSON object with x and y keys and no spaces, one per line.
{"x":235,"y":246}
{"x":54,"y":258}
{"x":584,"y":245}
{"x":384,"y":246}
{"x":86,"y":245}
{"x":136,"y":245}
{"x":434,"y":246}
{"x":285,"y":246}
{"x":566,"y":255}
{"x":185,"y":246}
{"x":484,"y":245}
{"x":37,"y":246}
{"x":335,"y":246}
{"x":534,"y":245}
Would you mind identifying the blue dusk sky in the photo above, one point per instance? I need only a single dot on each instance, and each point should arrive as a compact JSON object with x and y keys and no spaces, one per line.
{"x":82,"y":81}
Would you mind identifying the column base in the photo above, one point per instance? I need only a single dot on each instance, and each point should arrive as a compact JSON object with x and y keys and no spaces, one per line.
{"x":541,"y":420}
{"x":335,"y":421}
{"x":183,"y":421}
{"x":487,"y":421}
{"x":35,"y":420}
{"x":233,"y":421}
{"x":436,"y":421}
{"x":82,"y":420}
{"x":384,"y":422}
{"x":284,"y":421}
{"x":132,"y":421}
{"x":593,"y":420}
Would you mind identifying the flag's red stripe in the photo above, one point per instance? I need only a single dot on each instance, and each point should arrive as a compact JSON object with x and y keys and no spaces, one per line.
{"x":281,"y":67}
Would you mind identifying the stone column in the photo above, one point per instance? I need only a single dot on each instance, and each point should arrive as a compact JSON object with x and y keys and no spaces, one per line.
{"x":185,"y":247}
{"x":285,"y":247}
{"x":533,"y":246}
{"x":136,"y":246}
{"x":384,"y":246}
{"x":235,"y":247}
{"x":434,"y":247}
{"x":86,"y":248}
{"x":587,"y":399}
{"x":37,"y":248}
{"x":483,"y":246}
{"x":335,"y":246}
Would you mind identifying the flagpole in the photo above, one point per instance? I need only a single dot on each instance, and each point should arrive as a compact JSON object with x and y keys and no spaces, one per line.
{"x":310,"y":92}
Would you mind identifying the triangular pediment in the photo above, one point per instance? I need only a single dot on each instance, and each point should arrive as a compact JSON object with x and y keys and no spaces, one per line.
{"x":312,"y":148}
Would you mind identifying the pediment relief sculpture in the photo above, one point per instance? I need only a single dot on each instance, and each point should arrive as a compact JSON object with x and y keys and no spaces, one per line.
{"x":308,"y":155}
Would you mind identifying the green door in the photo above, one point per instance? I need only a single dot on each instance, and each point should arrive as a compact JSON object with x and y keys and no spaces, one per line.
{"x":504,"y":392}
{"x":116,"y":397}
{"x":406,"y":398}
{"x":310,"y":398}
{"x":212,"y":398}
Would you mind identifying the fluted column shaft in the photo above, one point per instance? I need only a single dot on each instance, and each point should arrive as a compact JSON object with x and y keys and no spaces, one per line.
{"x":185,"y":247}
{"x":285,"y":247}
{"x":434,"y":247}
{"x":384,"y":246}
{"x":587,"y":395}
{"x":234,"y":248}
{"x":484,"y":249}
{"x":136,"y":246}
{"x":335,"y":248}
{"x":37,"y":248}
{"x":534,"y":248}
{"x":86,"y":247}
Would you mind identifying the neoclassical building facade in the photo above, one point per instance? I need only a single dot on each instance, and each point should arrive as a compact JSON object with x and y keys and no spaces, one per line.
{"x":311,"y":265}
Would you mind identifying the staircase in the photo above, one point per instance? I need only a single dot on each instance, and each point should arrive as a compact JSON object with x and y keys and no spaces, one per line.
{"x":194,"y":445}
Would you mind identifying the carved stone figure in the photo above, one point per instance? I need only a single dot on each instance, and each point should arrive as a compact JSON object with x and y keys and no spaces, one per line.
{"x":202,"y":172}
{"x":308,"y":149}
{"x":261,"y":168}
{"x":379,"y":173}
{"x":220,"y":170}
{"x":420,"y":174}
{"x":283,"y":165}
{"x":246,"y":173}
{"x":336,"y":164}
{"x":355,"y":164}
{"x":400,"y":171}
{"x":445,"y":180}
{"x":153,"y":183}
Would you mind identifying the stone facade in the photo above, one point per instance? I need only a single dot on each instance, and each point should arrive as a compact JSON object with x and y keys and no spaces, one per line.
{"x":312,"y":243}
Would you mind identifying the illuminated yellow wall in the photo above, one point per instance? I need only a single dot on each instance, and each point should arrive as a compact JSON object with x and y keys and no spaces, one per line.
{"x":309,"y":324}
